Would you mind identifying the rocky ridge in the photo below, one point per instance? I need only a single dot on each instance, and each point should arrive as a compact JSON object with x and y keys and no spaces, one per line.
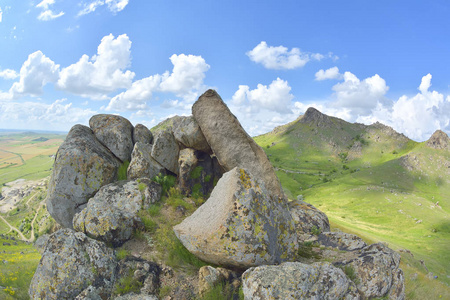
{"x":272,"y":248}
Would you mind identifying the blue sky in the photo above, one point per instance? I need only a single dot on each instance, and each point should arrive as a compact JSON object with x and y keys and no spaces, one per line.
{"x":364,"y":61}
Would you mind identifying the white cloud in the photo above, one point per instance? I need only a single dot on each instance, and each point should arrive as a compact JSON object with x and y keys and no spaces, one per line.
{"x":101,"y":74}
{"x":136,"y":96}
{"x":47,"y":14}
{"x":187,"y":74}
{"x":57,"y":115}
{"x":331,"y":73}
{"x":1,"y":15}
{"x":114,"y":6}
{"x":280,"y":57}
{"x":425,"y":84}
{"x":36,"y":71}
{"x":360,"y":97}
{"x":275,"y":97}
{"x":8,"y":74}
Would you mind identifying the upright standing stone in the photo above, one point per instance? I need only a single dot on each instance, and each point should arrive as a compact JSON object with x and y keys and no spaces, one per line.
{"x":230,"y":143}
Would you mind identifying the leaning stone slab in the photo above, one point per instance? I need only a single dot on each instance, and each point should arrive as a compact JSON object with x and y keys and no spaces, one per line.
{"x":188,"y":133}
{"x":82,"y":166}
{"x":111,"y":216}
{"x":115,"y":132}
{"x":240,"y":225}
{"x":165,"y":151}
{"x":71,"y":262}
{"x":142,"y":134}
{"x":142,"y":163}
{"x":295,"y":280}
{"x":230,"y":143}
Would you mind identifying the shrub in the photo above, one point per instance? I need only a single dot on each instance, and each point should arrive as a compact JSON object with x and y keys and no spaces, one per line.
{"x":196,"y":173}
{"x":166,"y":182}
{"x":316,"y":230}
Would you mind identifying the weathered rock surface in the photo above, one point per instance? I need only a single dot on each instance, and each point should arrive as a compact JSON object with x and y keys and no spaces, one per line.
{"x":142,"y":163}
{"x":377,"y":269}
{"x":208,"y":277}
{"x":188,"y":133}
{"x":439,"y":140}
{"x":82,"y":166}
{"x":145,"y":272}
{"x":240,"y":225}
{"x":115,"y":132}
{"x":307,"y":218}
{"x":230,"y":143}
{"x":198,"y":172}
{"x":165,"y":150}
{"x":111,"y":216}
{"x":70,"y":263}
{"x":341,"y":240}
{"x":294,"y":280}
{"x":40,"y":243}
{"x":142,"y":134}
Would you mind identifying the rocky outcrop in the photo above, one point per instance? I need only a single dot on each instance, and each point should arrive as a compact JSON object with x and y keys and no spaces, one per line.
{"x":209,"y":277}
{"x":307,"y":218}
{"x":230,"y":143}
{"x":145,"y":272}
{"x":341,"y":240}
{"x":70,"y":263}
{"x":142,"y":163}
{"x":165,"y":151}
{"x":82,"y":166}
{"x":198,"y":172}
{"x":111,"y":216}
{"x":188,"y":133}
{"x":377,"y":269}
{"x":115,"y":132}
{"x":294,"y":280}
{"x":41,"y":242}
{"x":142,"y":134}
{"x":240,"y":225}
{"x":439,"y":140}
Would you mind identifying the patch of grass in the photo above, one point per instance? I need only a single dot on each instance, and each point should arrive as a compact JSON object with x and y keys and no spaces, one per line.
{"x":166,"y":182}
{"x":122,"y":171}
{"x":222,"y":291}
{"x":196,"y":173}
{"x":350,"y":272}
{"x":316,"y":230}
{"x":122,"y":253}
{"x":154,"y":210}
{"x":149,"y":223}
{"x":306,"y":250}
{"x":127,"y":284}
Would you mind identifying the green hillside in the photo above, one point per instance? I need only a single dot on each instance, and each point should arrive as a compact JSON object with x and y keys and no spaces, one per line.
{"x":369,"y":180}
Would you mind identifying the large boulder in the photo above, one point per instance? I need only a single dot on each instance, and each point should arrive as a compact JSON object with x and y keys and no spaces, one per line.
{"x":82,"y":166}
{"x":377,"y":269}
{"x":295,"y":280}
{"x":111,"y":216}
{"x":165,"y":151}
{"x":240,"y":225}
{"x":71,"y":262}
{"x":115,"y":132}
{"x":188,"y":133}
{"x":142,"y":163}
{"x":307,"y":218}
{"x":230,"y":143}
{"x":198,"y":172}
{"x":142,"y":134}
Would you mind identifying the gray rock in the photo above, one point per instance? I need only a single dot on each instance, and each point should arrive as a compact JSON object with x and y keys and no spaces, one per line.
{"x":307,"y":217}
{"x":341,"y":240}
{"x":41,"y":242}
{"x":142,"y":163}
{"x":133,"y":296}
{"x":198,"y":172}
{"x":294,"y":280}
{"x":188,"y":133}
{"x":376,"y":267}
{"x":71,"y":262}
{"x":115,"y":132}
{"x":230,"y":143}
{"x":439,"y":140}
{"x":165,"y":150}
{"x":209,"y":277}
{"x":82,"y":166}
{"x":92,"y":293}
{"x":240,"y":225}
{"x":145,"y":272}
{"x":142,"y":134}
{"x":111,"y":216}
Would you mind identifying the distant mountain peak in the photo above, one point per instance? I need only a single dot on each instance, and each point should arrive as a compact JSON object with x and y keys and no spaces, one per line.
{"x":313,"y":116}
{"x":439,"y":140}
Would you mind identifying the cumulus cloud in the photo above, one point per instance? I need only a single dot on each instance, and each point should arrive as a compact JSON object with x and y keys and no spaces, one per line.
{"x":8,"y":74}
{"x":36,"y":71}
{"x":360,"y":97}
{"x":1,"y":14}
{"x":59,"y":114}
{"x":425,"y":84}
{"x":47,"y":14}
{"x":185,"y":81}
{"x":275,"y":97}
{"x":101,"y":74}
{"x":280,"y":57}
{"x":331,"y":73}
{"x":114,"y":6}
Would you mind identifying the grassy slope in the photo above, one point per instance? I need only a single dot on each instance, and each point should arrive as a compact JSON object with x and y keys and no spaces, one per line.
{"x":370,"y":192}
